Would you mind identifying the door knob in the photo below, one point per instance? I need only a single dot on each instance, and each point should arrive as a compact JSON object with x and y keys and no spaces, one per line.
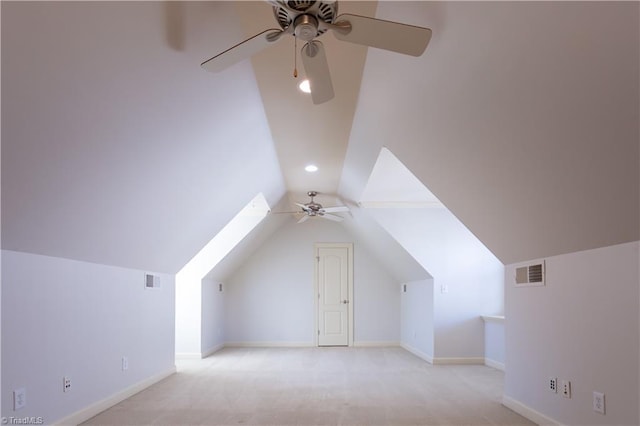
{"x":345,"y":302}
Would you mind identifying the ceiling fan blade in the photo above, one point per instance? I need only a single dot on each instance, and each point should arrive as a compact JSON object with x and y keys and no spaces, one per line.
{"x":302,"y":206}
{"x":387,"y":35}
{"x":297,"y":211}
{"x":243,"y":50}
{"x":317,"y":70}
{"x":336,"y":209}
{"x":304,"y":218}
{"x":332,"y":217}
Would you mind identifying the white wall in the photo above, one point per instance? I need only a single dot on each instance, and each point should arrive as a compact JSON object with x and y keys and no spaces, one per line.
{"x":581,"y":326}
{"x":212,"y":316}
{"x":270,"y":298}
{"x":189,"y":280}
{"x":494,"y":344}
{"x":69,"y":318}
{"x":457,"y":260}
{"x":376,"y":308}
{"x":417,"y":328}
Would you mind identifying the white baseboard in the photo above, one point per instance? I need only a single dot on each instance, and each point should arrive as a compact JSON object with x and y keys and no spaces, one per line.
{"x":417,"y":353}
{"x":495,"y":364}
{"x":212,"y":350}
{"x":460,"y":361}
{"x":98,"y":407}
{"x":269,"y":345}
{"x":375,"y":344}
{"x":527,"y":412}
{"x":188,"y":355}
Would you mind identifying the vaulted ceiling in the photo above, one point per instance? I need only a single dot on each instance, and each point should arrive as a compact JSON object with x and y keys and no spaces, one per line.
{"x":117,"y":148}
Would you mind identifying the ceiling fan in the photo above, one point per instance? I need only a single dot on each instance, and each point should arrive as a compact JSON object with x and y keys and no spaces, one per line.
{"x":313,"y":209}
{"x":308,"y":19}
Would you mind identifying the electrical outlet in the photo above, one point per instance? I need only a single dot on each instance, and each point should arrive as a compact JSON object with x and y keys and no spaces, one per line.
{"x":19,"y":399}
{"x":66,"y":384}
{"x":125,"y":363}
{"x":598,"y":402}
{"x":566,"y":388}
{"x":553,"y":384}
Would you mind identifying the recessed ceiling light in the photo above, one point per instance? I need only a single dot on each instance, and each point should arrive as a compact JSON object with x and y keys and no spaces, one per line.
{"x":305,"y":86}
{"x":311,"y":168}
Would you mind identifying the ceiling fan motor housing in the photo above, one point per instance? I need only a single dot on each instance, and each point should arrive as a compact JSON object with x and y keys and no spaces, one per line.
{"x":304,"y":15}
{"x":312,"y":207}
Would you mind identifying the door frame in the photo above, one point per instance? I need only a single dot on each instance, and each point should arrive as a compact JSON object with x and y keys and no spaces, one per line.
{"x":316,"y":293}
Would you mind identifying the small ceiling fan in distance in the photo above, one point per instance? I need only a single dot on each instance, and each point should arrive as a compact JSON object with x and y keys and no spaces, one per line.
{"x":307,"y":20}
{"x":313,"y":209}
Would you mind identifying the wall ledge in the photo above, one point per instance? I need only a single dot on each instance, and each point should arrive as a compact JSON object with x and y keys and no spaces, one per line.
{"x":493,"y":318}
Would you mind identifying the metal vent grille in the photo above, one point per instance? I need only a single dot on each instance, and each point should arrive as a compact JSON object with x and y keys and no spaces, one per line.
{"x":530,"y":275}
{"x":535,"y":273}
{"x":151,"y":281}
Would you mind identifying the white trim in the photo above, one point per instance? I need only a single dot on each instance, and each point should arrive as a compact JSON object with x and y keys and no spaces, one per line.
{"x":493,"y":318}
{"x":269,"y":345}
{"x":349,"y":247}
{"x":417,"y":353}
{"x":98,"y":407}
{"x":212,"y":350}
{"x":375,"y":344}
{"x":494,"y":364}
{"x":188,"y":355}
{"x":528,"y":412}
{"x":461,"y":361}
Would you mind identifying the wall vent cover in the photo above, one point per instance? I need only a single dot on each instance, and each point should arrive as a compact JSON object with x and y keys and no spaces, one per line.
{"x":151,"y":281}
{"x":530,"y":275}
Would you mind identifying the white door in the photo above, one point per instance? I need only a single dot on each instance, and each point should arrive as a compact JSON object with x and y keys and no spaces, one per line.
{"x":333,"y":283}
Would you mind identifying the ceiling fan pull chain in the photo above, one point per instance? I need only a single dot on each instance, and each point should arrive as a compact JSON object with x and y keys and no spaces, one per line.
{"x":295,"y":57}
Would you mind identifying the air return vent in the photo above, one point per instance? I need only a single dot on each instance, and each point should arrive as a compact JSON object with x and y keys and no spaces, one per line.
{"x":530,"y":275}
{"x":151,"y":281}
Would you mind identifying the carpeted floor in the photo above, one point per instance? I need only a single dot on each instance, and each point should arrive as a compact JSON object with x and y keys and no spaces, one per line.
{"x":318,"y":386}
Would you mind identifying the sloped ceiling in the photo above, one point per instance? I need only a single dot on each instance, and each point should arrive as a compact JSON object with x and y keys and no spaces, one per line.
{"x":522,"y":118}
{"x":116,"y":147}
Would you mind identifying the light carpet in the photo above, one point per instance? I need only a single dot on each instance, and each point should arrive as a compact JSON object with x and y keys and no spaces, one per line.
{"x":318,"y":386}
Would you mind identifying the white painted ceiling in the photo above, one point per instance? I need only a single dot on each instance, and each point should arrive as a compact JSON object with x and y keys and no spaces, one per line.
{"x":304,"y":133}
{"x":117,"y":148}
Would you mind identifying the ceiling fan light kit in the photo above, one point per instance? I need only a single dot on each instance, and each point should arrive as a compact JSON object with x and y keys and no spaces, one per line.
{"x":307,"y":20}
{"x":313,"y":209}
